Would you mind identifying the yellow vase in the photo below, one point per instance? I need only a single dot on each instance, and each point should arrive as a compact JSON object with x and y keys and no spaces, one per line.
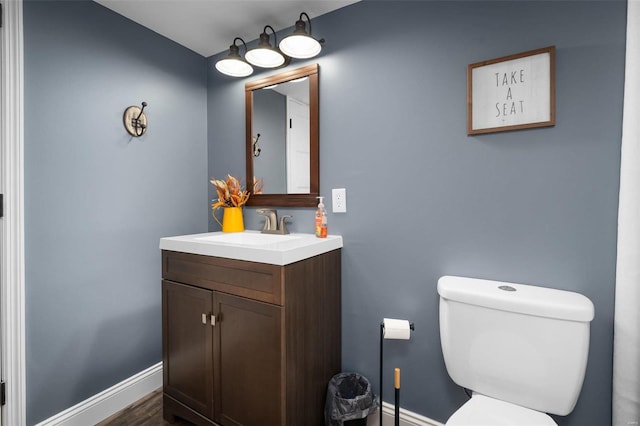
{"x":232,"y":220}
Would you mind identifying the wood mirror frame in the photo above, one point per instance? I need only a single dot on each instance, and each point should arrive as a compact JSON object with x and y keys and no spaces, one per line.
{"x":287,"y":200}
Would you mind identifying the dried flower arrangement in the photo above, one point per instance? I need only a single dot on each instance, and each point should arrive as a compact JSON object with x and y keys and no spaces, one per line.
{"x":230,"y":192}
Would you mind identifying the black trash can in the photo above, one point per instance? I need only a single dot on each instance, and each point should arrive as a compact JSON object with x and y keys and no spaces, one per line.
{"x":349,"y":400}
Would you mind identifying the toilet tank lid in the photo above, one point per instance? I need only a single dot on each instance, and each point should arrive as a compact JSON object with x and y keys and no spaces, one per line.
{"x":520,"y":298}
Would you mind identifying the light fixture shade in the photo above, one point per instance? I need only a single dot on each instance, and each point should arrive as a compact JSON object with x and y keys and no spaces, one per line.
{"x":264,"y":58}
{"x":264,"y":55}
{"x":233,"y":65}
{"x":301,"y":44}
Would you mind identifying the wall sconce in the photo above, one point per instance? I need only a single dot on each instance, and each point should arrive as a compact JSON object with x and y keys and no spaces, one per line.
{"x":301,"y":44}
{"x":135,"y":120}
{"x":233,"y":64}
{"x":264,"y":55}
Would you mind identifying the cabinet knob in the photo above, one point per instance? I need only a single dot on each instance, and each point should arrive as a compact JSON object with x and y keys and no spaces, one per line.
{"x":204,"y":318}
{"x":213,"y":320}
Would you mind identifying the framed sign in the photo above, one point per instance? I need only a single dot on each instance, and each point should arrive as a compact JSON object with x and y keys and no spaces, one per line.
{"x":511,"y":93}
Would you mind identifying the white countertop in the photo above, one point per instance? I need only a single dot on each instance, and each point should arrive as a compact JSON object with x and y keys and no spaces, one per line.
{"x":253,"y":246}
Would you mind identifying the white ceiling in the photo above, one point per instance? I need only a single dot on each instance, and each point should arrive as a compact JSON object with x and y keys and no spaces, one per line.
{"x":208,"y":27}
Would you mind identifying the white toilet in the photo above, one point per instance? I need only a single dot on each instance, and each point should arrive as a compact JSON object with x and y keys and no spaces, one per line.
{"x":522,"y":350}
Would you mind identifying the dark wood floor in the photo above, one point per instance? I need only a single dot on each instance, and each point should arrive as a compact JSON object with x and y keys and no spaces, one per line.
{"x":145,"y":412}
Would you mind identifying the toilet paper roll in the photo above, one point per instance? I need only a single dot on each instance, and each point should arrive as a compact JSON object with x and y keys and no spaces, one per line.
{"x":396,"y":329}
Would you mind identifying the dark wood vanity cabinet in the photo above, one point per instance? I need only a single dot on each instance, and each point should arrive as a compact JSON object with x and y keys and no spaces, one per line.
{"x":248,"y":343}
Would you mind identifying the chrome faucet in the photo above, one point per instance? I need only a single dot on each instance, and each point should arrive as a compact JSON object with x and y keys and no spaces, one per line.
{"x":271,"y":224}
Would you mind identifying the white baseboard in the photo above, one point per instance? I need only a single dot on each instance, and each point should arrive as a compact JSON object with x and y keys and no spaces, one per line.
{"x":407,"y":418}
{"x":109,"y":401}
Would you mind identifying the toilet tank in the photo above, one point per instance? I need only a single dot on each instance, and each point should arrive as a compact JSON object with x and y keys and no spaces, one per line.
{"x":519,"y":343}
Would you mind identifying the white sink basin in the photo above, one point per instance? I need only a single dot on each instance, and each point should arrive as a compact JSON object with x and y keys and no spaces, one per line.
{"x":253,"y":246}
{"x":248,"y":238}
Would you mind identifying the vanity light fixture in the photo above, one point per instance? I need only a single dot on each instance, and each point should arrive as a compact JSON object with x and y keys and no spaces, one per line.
{"x":266,"y":56}
{"x":233,"y":64}
{"x":301,"y":44}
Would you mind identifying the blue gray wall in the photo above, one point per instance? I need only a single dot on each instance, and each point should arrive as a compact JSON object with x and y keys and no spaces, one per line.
{"x":97,"y":201}
{"x":424,"y":199}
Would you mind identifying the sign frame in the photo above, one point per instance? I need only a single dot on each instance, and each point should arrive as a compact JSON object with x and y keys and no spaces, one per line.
{"x":512,"y":92}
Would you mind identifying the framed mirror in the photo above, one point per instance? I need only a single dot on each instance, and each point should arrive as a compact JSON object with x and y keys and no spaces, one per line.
{"x":282,"y":140}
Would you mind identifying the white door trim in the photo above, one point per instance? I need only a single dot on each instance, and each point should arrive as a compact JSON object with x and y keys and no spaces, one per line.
{"x":12,"y":284}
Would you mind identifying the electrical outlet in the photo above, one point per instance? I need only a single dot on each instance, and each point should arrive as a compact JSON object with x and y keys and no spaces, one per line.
{"x":339,"y":200}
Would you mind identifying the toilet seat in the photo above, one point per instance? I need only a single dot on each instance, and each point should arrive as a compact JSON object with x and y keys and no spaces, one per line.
{"x":481,"y":410}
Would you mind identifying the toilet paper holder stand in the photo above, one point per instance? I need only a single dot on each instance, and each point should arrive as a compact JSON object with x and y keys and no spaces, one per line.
{"x":382,"y":338}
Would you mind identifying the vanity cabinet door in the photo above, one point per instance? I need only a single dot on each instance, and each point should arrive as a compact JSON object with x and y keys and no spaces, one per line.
{"x":248,"y":359}
{"x":187,"y":340}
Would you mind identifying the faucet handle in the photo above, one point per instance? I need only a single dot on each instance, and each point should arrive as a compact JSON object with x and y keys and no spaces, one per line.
{"x":267,"y":221}
{"x":269,"y":212}
{"x":283,"y":225}
{"x":271,"y":219}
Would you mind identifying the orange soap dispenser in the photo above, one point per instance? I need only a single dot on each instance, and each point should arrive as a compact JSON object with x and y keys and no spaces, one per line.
{"x":321,"y":219}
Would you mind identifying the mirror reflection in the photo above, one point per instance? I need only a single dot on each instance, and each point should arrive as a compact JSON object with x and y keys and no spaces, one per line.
{"x":282,"y":142}
{"x":281,"y":137}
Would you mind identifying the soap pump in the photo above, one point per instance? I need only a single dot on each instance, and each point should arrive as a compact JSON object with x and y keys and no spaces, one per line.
{"x":321,"y":219}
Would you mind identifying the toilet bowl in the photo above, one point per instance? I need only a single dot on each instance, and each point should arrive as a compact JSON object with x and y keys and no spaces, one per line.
{"x":522,"y":350}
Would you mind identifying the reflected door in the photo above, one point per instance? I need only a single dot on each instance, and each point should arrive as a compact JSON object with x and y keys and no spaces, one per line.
{"x":298,"y":159}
